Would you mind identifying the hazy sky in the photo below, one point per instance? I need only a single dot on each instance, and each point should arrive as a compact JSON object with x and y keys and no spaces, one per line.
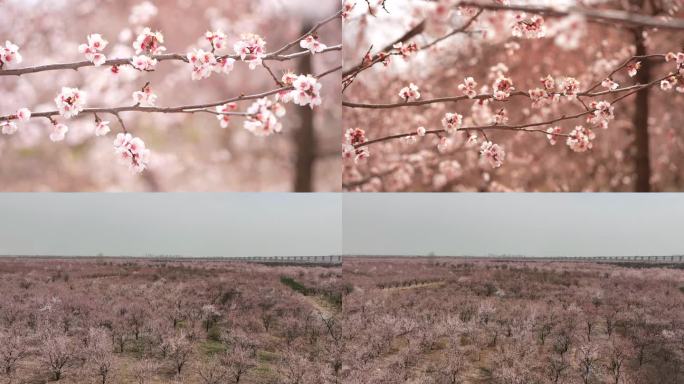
{"x":230,"y":224}
{"x":587,"y":224}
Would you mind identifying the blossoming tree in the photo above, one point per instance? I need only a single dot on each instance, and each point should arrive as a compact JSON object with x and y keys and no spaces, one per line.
{"x":254,"y":71}
{"x":499,"y":95}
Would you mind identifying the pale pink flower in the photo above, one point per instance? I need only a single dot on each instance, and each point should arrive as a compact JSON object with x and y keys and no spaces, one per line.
{"x":312,"y":44}
{"x":493,"y":153}
{"x":9,"y":54}
{"x":251,"y":49}
{"x":532,"y":28}
{"x":93,"y":49}
{"x":552,"y":132}
{"x":306,"y":91}
{"x":70,"y":102}
{"x":217,"y":39}
{"x":132,"y":151}
{"x":146,"y":97}
{"x":8,"y":127}
{"x":23,"y":114}
{"x":410,"y":92}
{"x":503,"y":86}
{"x":59,"y":132}
{"x":468,"y":87}
{"x":262,"y":119}
{"x":609,"y":84}
{"x":143,"y":62}
{"x":421,"y":131}
{"x":451,"y":122}
{"x":149,"y":42}
{"x":580,"y":139}
{"x":222,"y":115}
{"x":633,"y":68}
{"x":101,"y":128}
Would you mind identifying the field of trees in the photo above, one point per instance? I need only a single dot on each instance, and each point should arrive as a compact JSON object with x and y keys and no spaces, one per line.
{"x":442,"y":321}
{"x":106,"y":321}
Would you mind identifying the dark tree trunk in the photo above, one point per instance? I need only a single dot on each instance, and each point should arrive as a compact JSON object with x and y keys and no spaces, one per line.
{"x":305,"y":139}
{"x":640,"y":120}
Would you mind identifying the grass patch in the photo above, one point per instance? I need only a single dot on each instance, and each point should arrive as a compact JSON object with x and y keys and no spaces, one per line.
{"x":295,"y":285}
{"x":212,"y":347}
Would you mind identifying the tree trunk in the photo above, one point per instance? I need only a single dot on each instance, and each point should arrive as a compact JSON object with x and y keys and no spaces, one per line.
{"x":305,"y":139}
{"x":640,"y":120}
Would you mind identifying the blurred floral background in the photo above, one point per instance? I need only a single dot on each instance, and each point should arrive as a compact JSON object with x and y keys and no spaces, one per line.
{"x":190,"y":152}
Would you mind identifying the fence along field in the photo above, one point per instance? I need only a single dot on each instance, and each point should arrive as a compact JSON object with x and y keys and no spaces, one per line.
{"x":459,"y":320}
{"x":115,"y":320}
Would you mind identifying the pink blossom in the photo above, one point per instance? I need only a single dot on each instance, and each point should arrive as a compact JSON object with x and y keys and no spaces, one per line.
{"x":532,"y":28}
{"x":263,"y":118}
{"x":217,"y":39}
{"x":251,"y":49}
{"x":222,"y":115}
{"x":312,"y":44}
{"x":347,"y":7}
{"x":406,"y":50}
{"x":468,"y":87}
{"x":580,"y":139}
{"x":570,"y":87}
{"x":146,"y":97}
{"x":93,"y":49}
{"x":9,"y":54}
{"x":101,"y":128}
{"x":23,"y":114}
{"x":552,"y":132}
{"x":609,"y":84}
{"x":421,"y":131}
{"x":149,"y":42}
{"x":354,"y":137}
{"x":410,"y":92}
{"x":58,"y":132}
{"x":306,"y":91}
{"x":493,"y":153}
{"x":132,"y":151}
{"x":500,"y":117}
{"x":451,"y":122}
{"x":549,"y":83}
{"x":633,"y":68}
{"x":143,"y":62}
{"x":70,"y":102}
{"x":503,"y":86}
{"x":603,"y":113}
{"x":665,"y":85}
{"x":8,"y":127}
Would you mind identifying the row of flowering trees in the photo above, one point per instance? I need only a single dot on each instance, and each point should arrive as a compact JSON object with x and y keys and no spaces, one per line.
{"x":144,"y":321}
{"x":447,"y":322}
{"x":478,"y":86}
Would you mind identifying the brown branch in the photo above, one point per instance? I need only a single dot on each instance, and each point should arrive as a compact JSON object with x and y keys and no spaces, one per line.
{"x":520,"y":127}
{"x":160,"y":58}
{"x":178,"y":109}
{"x":609,"y":16}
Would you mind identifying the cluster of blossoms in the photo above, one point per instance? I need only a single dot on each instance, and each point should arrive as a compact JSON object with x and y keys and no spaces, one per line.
{"x":552,"y":133}
{"x":262,"y":119}
{"x":580,"y":139}
{"x":410,"y":92}
{"x":312,"y":44}
{"x":205,"y":63}
{"x":147,"y":43}
{"x":222,"y":113}
{"x":603,"y":113}
{"x":503,"y":86}
{"x":145,"y":97}
{"x":677,"y":57}
{"x":570,"y":87}
{"x":352,"y":138}
{"x":59,"y":131}
{"x":70,"y":102}
{"x":307,"y":90}
{"x":217,"y":39}
{"x":131,"y":150}
{"x":468,"y":87}
{"x":532,"y":28}
{"x":452,"y":122}
{"x":9,"y":54}
{"x":405,"y":50}
{"x":493,"y":153}
{"x":500,"y":117}
{"x":93,"y":49}
{"x":9,"y":127}
{"x":251,"y":48}
{"x":143,"y":63}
